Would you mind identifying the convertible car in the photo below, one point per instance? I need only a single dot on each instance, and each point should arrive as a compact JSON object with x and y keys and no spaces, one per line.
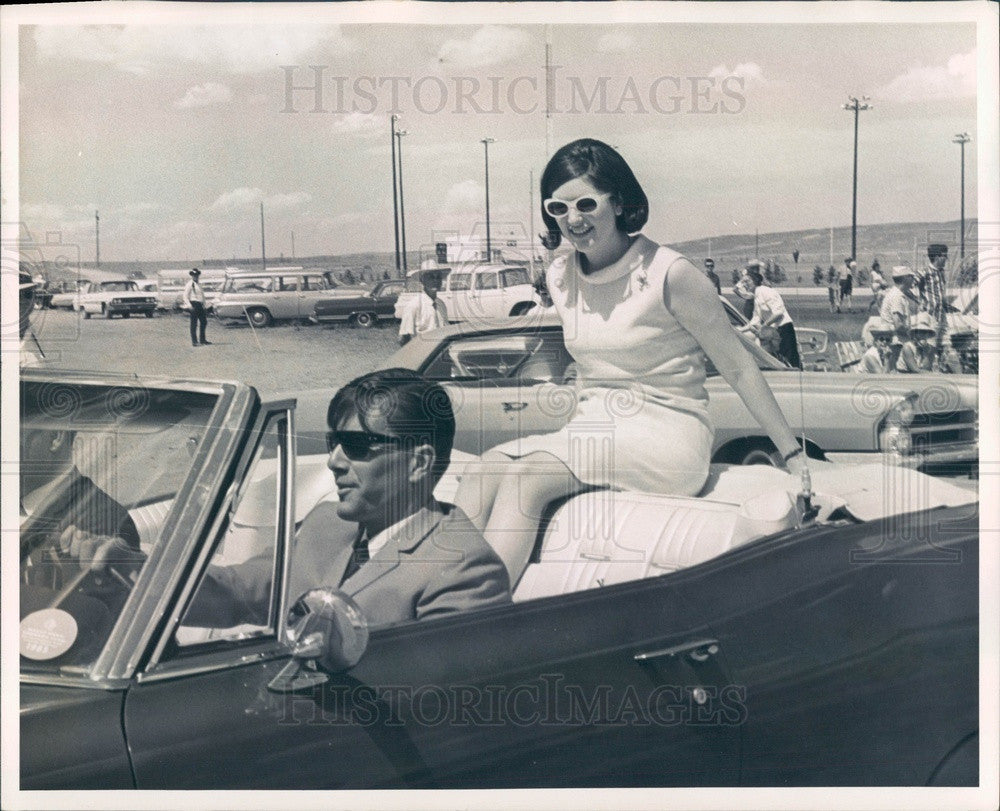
{"x":764,"y":633}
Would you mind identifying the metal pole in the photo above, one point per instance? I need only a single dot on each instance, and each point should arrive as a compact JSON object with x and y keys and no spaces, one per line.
{"x":402,"y":210}
{"x":263,"y":253}
{"x":293,"y":244}
{"x":395,"y":199}
{"x":97,"y":234}
{"x":856,"y":105}
{"x":486,"y":150}
{"x":962,"y":139}
{"x":531,"y":214}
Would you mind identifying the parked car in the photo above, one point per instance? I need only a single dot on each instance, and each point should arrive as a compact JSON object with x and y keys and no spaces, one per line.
{"x":113,"y":298}
{"x":514,"y":377}
{"x":275,"y":295}
{"x":731,"y":639}
{"x":472,"y":292}
{"x":68,"y":294}
{"x":364,"y":310}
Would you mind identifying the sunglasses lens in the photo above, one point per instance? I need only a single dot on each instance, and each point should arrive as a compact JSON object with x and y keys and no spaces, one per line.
{"x":586,"y":204}
{"x":354,"y":446}
{"x":556,"y":208}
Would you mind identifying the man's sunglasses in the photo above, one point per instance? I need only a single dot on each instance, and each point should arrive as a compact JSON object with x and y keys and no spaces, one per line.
{"x":584,"y":205}
{"x":359,"y":444}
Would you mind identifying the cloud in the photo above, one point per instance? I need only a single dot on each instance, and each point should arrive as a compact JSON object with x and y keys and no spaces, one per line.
{"x":490,"y":45}
{"x":204,"y":95}
{"x":141,"y":49}
{"x":464,"y":196}
{"x":244,"y":197}
{"x":955,"y":79}
{"x":748,"y":71}
{"x":356,"y":124}
{"x":616,"y":42}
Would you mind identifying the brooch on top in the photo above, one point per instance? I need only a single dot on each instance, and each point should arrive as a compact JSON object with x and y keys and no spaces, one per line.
{"x":642,"y":280}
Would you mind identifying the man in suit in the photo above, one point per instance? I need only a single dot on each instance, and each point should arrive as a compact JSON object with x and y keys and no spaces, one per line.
{"x":387,"y":542}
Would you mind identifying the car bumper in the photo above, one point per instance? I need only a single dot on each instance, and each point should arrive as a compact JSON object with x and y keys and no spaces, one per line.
{"x":958,"y":454}
{"x":132,"y":307}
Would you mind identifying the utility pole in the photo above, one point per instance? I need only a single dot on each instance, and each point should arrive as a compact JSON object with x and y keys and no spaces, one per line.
{"x":486,"y":147}
{"x":293,"y":244}
{"x":97,"y":234}
{"x":857,"y":105}
{"x":395,"y":195}
{"x":402,"y":210}
{"x":962,"y":139}
{"x":263,"y":260}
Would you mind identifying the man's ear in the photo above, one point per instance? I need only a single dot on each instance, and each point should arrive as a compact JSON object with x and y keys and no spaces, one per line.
{"x":421,"y":462}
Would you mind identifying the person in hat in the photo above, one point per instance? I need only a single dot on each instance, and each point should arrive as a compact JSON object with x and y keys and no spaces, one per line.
{"x":712,"y":276}
{"x":194,"y":300}
{"x":899,"y":303}
{"x":880,"y":357}
{"x":425,"y":311}
{"x":845,"y":277}
{"x":918,"y":353}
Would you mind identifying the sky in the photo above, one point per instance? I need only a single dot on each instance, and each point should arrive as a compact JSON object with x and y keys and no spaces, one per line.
{"x":176,"y":132}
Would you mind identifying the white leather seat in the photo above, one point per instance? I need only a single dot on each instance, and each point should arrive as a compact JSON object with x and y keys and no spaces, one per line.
{"x":605,"y":537}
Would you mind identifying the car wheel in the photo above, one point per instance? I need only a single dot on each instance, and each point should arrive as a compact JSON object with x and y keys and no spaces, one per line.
{"x":365,"y":319}
{"x":86,"y":314}
{"x":259,"y":317}
{"x":762,"y":455}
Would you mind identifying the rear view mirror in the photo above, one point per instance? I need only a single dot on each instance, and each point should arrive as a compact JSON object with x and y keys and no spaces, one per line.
{"x":326,"y":632}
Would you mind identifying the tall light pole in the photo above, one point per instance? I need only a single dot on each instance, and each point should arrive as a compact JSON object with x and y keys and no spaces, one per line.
{"x":486,"y":148}
{"x":402,"y":211}
{"x":857,"y":105}
{"x":97,"y":236}
{"x":395,"y":198}
{"x":962,"y":139}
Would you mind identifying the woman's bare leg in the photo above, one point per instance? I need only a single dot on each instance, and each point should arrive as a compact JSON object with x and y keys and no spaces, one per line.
{"x":522,"y":495}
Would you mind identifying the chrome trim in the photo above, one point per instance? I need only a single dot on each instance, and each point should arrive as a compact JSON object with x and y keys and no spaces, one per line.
{"x":208,"y":664}
{"x":288,"y":500}
{"x":40,"y":680}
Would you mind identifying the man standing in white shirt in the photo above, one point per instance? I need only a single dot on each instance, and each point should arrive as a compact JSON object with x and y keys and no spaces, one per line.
{"x":426,"y":311}
{"x":194,"y":298}
{"x":769,"y":311}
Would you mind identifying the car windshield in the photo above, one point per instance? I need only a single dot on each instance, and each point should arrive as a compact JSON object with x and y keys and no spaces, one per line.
{"x":98,"y":463}
{"x":118,"y":287}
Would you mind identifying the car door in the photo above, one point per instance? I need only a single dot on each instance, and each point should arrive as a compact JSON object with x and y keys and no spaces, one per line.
{"x":857,"y":646}
{"x":486,"y":295}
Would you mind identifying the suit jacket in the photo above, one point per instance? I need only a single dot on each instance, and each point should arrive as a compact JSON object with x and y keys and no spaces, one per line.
{"x":445,"y":568}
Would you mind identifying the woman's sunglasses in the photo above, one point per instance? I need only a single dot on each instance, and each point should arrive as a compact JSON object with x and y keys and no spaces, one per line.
{"x":357,"y":445}
{"x":584,"y":205}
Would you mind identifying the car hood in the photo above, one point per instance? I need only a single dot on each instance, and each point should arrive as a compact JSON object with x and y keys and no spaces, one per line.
{"x":940,"y":389}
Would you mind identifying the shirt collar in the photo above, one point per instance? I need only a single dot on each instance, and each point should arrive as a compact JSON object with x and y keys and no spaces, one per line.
{"x":414,"y":526}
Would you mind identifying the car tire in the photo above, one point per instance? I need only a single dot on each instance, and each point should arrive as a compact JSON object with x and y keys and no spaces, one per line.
{"x":761,"y":454}
{"x":365,"y":319}
{"x":259,"y":317}
{"x":86,"y":314}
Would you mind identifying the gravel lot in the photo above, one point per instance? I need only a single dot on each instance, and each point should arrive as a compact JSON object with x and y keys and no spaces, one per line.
{"x":278,"y":358}
{"x":275,"y":359}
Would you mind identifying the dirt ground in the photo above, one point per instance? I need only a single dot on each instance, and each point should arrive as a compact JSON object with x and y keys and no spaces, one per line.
{"x":276,"y":359}
{"x":281,"y":358}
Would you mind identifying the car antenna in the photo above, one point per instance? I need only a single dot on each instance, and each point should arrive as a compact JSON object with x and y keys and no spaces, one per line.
{"x":804,"y":505}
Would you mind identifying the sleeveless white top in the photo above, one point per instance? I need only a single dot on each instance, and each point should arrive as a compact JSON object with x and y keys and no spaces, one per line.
{"x":641,"y":419}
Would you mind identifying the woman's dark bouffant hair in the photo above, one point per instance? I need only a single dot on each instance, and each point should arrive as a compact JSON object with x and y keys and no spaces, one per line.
{"x":607,"y":170}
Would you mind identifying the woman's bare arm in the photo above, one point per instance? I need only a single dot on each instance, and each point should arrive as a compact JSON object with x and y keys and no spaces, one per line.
{"x":690,"y":296}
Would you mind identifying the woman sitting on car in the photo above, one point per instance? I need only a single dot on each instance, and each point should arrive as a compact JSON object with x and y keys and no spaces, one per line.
{"x":638,"y":319}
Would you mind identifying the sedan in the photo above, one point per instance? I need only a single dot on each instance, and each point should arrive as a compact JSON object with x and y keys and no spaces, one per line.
{"x":514,"y":377}
{"x":627,"y":657}
{"x":364,"y":310}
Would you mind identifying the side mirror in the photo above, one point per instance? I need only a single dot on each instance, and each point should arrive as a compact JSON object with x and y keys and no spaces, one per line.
{"x":326,"y":632}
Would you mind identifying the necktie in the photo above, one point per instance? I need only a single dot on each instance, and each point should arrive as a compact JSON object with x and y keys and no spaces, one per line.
{"x":359,"y":556}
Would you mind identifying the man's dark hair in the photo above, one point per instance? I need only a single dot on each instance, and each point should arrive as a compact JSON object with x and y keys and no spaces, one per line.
{"x":936,"y":249}
{"x":607,"y":170}
{"x":413,"y":407}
